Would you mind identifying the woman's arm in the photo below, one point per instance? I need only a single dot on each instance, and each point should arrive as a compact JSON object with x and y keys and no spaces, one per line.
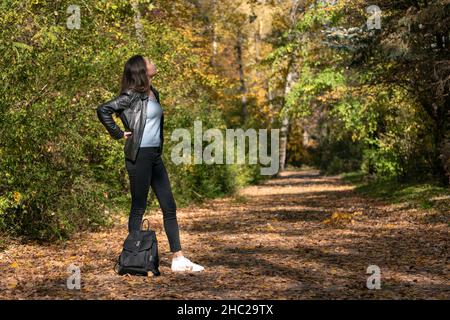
{"x":106,"y":110}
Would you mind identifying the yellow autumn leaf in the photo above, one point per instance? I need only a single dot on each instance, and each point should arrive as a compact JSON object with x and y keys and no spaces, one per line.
{"x":269,"y":227}
{"x":12,"y":283}
{"x":17,"y":196}
{"x":338,"y":217}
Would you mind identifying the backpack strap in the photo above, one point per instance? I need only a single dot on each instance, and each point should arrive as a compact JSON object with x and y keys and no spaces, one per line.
{"x":115,"y":266}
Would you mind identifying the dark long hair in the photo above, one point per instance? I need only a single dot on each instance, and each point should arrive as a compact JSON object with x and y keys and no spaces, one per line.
{"x":135,"y":75}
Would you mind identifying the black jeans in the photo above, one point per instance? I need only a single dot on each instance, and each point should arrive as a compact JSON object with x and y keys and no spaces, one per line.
{"x":149,"y":170}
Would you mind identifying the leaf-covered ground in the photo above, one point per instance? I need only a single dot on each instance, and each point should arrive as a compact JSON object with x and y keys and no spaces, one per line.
{"x":300,"y":236}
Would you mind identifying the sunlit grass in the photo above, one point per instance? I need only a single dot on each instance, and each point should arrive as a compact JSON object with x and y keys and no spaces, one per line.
{"x":425,"y":195}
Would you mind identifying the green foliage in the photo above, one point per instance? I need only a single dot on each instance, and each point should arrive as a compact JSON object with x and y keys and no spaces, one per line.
{"x":357,"y":94}
{"x":60,"y":171}
{"x":421,"y":194}
{"x":335,"y":156}
{"x":309,"y":87}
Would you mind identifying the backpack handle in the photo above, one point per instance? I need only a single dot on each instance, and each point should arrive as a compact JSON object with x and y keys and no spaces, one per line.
{"x":148,"y":224}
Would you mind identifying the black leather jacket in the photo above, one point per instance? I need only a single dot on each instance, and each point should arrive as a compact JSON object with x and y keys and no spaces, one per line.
{"x":130,"y":106}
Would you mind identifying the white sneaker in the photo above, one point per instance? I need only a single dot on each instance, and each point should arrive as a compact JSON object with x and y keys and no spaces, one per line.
{"x":180,"y":264}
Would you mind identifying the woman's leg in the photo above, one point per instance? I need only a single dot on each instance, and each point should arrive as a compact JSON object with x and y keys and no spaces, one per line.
{"x":163,"y":191}
{"x":161,"y":186}
{"x":140,"y":174}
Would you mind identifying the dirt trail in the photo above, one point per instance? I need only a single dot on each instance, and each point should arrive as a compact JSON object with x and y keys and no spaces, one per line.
{"x":272,"y":241}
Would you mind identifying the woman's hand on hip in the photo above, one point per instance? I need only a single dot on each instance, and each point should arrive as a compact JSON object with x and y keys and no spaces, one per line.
{"x":127,"y":134}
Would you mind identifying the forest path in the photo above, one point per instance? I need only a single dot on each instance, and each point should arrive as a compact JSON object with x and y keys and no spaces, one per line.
{"x":271,"y":241}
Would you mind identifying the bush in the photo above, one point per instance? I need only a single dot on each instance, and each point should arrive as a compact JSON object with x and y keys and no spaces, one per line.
{"x":60,"y":172}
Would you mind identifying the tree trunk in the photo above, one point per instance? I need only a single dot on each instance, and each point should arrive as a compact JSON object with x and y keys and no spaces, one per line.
{"x":243,"y":88}
{"x":290,"y":75}
{"x":137,"y":21}
{"x":285,"y":122}
{"x":440,"y":117}
{"x":214,"y":34}
{"x":283,"y":143}
{"x":440,"y":139}
{"x":270,"y":97}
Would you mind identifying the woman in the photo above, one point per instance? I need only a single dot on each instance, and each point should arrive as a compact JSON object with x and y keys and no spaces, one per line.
{"x":142,"y":116}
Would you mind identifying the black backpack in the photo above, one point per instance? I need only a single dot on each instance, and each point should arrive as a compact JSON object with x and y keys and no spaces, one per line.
{"x":139,"y":254}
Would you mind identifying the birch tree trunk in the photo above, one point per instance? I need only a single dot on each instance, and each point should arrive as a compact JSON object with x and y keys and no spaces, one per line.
{"x":214,"y":33}
{"x":243,"y":88}
{"x":290,"y":77}
{"x":286,"y":121}
{"x":137,"y":21}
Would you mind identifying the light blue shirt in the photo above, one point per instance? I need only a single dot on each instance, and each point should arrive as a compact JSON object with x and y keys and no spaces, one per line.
{"x":150,"y":137}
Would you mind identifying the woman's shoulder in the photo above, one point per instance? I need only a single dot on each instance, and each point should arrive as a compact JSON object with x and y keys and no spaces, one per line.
{"x":155,"y":92}
{"x":128,"y":92}
{"x":132,"y":94}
